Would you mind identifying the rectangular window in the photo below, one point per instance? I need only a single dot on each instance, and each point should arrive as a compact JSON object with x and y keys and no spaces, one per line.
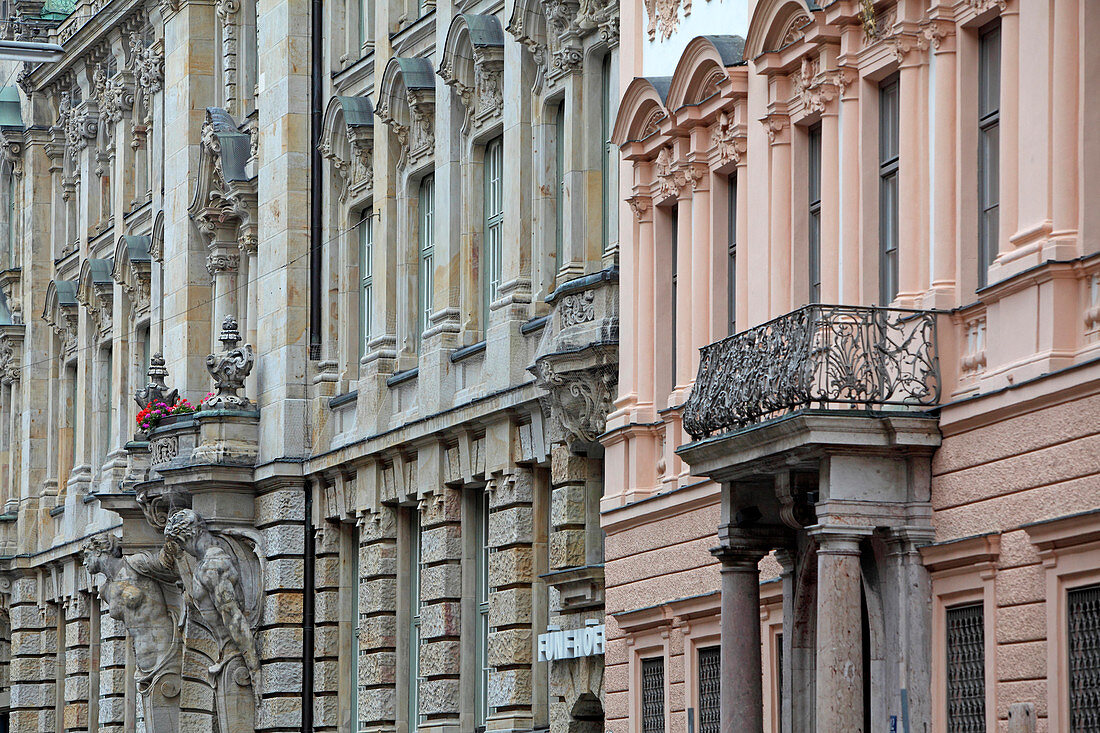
{"x":814,"y":223}
{"x":12,"y":215}
{"x":653,"y":695}
{"x":108,"y":407}
{"x":609,"y":162}
{"x":989,"y":140}
{"x":364,"y":22}
{"x":413,"y":681}
{"x":494,"y":222}
{"x":965,"y":669}
{"x":674,"y":241}
{"x":731,"y":260}
{"x":426,"y":229}
{"x":366,"y":278}
{"x":779,"y":679}
{"x":889,"y":112}
{"x":481,"y":562}
{"x":559,"y":201}
{"x":710,"y":685}
{"x":1083,"y":606}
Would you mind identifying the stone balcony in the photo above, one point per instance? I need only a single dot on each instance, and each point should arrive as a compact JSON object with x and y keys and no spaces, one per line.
{"x":817,"y":357}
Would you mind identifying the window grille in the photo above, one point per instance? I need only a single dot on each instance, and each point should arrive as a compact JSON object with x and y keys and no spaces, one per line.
{"x":889,"y":142}
{"x":653,"y":695}
{"x":710,"y":685}
{"x":1083,"y":605}
{"x":966,"y":669}
{"x":427,"y":253}
{"x":494,"y":221}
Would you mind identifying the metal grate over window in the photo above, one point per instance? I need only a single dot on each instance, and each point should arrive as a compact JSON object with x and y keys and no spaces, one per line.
{"x":710,"y":685}
{"x":1083,"y":606}
{"x":653,"y":695}
{"x":966,"y":669}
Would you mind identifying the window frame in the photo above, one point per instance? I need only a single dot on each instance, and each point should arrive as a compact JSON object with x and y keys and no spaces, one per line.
{"x":425,"y":255}
{"x":988,"y":152}
{"x":731,"y":253}
{"x":813,"y":211}
{"x":889,"y":99}
{"x":481,"y":600}
{"x":365,"y":237}
{"x":493,"y":222}
{"x":608,"y":157}
{"x":415,"y":605}
{"x":559,"y":201}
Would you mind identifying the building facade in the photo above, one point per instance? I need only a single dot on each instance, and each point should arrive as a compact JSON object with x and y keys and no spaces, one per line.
{"x":310,"y":328}
{"x":851,"y":462}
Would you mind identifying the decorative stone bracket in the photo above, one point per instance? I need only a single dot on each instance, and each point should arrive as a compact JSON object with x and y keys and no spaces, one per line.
{"x":229,"y":369}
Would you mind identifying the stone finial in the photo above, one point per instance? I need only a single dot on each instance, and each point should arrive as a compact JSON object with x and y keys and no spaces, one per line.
{"x":229,"y":369}
{"x":156,"y":390}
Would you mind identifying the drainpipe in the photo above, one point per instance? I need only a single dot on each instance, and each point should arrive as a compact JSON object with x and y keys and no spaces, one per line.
{"x":316,"y":194}
{"x":308,"y":597}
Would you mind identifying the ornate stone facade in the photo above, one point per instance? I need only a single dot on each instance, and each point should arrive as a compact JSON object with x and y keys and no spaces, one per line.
{"x":272,"y":454}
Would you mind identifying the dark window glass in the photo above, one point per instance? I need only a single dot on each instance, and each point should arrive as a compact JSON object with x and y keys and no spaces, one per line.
{"x":674,"y":239}
{"x":889,"y":112}
{"x":731,"y":261}
{"x":814,"y":169}
{"x":966,"y":669}
{"x":1083,"y":605}
{"x":710,"y":685}
{"x":989,"y":140}
{"x":779,"y":676}
{"x":653,"y":695}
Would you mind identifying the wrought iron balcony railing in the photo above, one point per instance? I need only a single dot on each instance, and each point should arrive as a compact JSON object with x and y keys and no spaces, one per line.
{"x":818,"y":356}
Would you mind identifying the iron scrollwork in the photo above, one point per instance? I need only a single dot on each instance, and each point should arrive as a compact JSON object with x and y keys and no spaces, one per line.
{"x":815,"y":357}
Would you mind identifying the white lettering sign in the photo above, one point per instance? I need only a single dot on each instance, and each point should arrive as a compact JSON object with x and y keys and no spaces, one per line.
{"x":572,"y":643}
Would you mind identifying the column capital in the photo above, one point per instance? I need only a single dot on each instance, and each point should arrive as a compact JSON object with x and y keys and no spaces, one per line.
{"x":837,"y":539}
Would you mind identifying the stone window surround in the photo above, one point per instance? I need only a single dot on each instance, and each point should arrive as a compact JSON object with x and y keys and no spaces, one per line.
{"x":963,"y":571}
{"x":1069,"y":548}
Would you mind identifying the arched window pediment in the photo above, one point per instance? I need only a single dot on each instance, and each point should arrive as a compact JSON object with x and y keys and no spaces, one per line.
{"x":132,"y":270}
{"x":61,"y":313}
{"x":406,"y":103}
{"x":473,"y":64}
{"x":776,"y":24}
{"x":348,"y":143}
{"x":554,"y":31}
{"x":225,"y":196}
{"x":703,"y":69}
{"x":95,"y":291}
{"x":642,"y":109}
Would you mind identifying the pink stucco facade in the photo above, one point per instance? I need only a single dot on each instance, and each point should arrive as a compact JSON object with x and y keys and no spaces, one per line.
{"x":940,"y":156}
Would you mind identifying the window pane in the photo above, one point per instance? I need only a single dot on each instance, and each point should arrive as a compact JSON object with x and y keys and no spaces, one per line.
{"x":559,"y":202}
{"x":814,"y":228}
{"x":427,"y":253}
{"x":989,"y":73}
{"x":494,"y":221}
{"x":965,"y":669}
{"x":366,"y":276}
{"x":888,"y":236}
{"x":653,"y":695}
{"x":731,"y":239}
{"x":1083,"y":605}
{"x":710,"y":685}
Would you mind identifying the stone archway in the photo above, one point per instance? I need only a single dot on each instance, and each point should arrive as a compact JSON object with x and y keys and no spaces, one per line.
{"x":586,"y":715}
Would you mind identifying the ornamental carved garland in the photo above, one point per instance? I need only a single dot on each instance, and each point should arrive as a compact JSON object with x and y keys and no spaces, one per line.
{"x":729,"y":142}
{"x":580,"y":399}
{"x":664,"y":17}
{"x":670,"y":176}
{"x":227,"y":13}
{"x":577,"y":308}
{"x":79,"y":125}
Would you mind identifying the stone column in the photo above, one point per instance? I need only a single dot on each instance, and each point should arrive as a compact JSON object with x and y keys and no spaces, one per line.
{"x":33,"y":644}
{"x":850,"y":168}
{"x":912,"y":624}
{"x":643,"y":303}
{"x":1064,"y":120}
{"x":839,"y":631}
{"x":280,"y":514}
{"x":779,"y":133}
{"x":441,"y":608}
{"x":576,"y":196}
{"x":944,"y":266}
{"x":912,"y":195}
{"x":511,"y":574}
{"x":829,"y":259}
{"x":326,"y":605}
{"x":686,"y":354}
{"x":222,"y":263}
{"x":701,"y":262}
{"x":742,"y":694}
{"x":378,"y":618}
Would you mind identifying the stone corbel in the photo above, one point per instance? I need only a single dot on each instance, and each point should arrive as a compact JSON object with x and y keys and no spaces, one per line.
{"x":11,"y":351}
{"x":11,"y":284}
{"x":579,"y":395}
{"x":11,"y":146}
{"x":729,"y":139}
